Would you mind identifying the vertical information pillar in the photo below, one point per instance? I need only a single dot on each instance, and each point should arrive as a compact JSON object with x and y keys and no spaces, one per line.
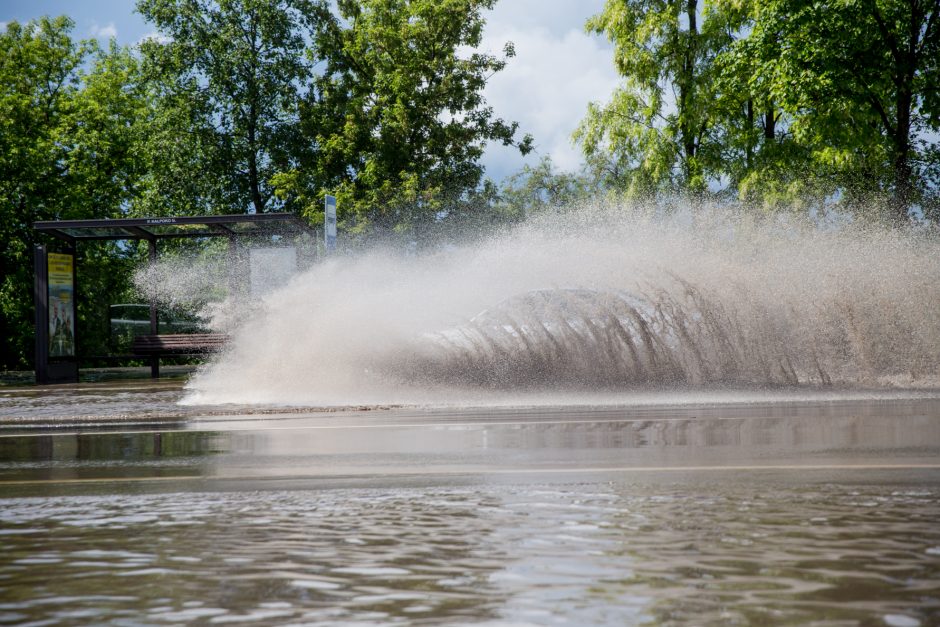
{"x":329,"y":223}
{"x":54,"y":297}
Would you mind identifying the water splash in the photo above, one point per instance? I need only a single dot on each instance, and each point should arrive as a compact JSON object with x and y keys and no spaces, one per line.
{"x":605,"y":299}
{"x":215,"y":286}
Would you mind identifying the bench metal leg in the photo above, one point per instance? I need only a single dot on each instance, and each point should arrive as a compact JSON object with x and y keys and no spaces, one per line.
{"x":154,"y":367}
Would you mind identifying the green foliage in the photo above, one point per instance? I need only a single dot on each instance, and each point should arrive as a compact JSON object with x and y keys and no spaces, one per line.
{"x":103,"y":272}
{"x":182,"y":168}
{"x":240,"y":105}
{"x":229,"y":82}
{"x":860,"y":80}
{"x":541,"y":187}
{"x":66,"y":152}
{"x":658,"y":128}
{"x":779,"y":103}
{"x":37,"y":77}
{"x":398,"y":117}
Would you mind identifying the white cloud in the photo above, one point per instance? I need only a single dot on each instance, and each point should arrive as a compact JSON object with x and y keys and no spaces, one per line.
{"x":108,"y":31}
{"x":558,"y":69}
{"x":558,"y":17}
{"x":159,"y":37}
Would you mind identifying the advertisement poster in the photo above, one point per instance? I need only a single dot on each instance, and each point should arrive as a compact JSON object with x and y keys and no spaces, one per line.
{"x":61,"y":306}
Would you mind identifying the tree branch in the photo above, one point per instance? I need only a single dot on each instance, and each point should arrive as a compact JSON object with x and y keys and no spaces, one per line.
{"x":886,"y":34}
{"x":875,"y":102}
{"x":931,"y":22}
{"x":879,"y":108}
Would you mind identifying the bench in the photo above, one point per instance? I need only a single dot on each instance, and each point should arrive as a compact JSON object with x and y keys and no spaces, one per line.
{"x":182,"y":344}
{"x":178,"y":344}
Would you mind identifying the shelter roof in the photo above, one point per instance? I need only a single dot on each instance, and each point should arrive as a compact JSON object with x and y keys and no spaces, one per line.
{"x":153,"y":229}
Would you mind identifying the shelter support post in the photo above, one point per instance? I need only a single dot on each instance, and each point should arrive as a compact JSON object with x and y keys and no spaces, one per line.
{"x":232,"y":267}
{"x":41,"y":301}
{"x":154,"y":321}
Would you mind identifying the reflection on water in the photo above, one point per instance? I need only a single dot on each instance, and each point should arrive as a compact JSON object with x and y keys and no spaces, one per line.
{"x":774,"y":513}
{"x":53,"y":458}
{"x":606,"y":554}
{"x":485,"y":443}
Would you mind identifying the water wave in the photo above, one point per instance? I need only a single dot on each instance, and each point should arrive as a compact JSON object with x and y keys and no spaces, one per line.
{"x":605,"y":299}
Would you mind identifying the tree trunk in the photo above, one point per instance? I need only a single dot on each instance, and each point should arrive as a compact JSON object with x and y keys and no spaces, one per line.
{"x":903,"y":173}
{"x":749,"y":145}
{"x":770,"y":123}
{"x":254,"y":185}
{"x":904,"y":103}
{"x":686,"y":84}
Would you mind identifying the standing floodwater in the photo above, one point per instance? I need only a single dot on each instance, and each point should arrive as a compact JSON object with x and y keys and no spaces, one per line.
{"x":787,"y":508}
{"x":596,"y":301}
{"x":601,"y":419}
{"x":615,"y":554}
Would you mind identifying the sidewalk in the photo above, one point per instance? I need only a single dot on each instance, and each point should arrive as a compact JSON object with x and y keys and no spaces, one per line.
{"x":19,"y":378}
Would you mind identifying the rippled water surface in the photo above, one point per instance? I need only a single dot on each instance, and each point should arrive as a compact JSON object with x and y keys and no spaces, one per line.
{"x":612,"y":554}
{"x":792,"y":510}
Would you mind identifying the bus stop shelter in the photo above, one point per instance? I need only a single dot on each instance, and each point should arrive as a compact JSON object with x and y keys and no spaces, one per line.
{"x":55,"y":287}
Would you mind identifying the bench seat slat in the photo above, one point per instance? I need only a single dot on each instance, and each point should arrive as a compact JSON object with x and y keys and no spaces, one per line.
{"x":182,"y":343}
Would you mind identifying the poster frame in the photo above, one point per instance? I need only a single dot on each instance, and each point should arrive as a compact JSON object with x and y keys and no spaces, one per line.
{"x":52,"y":369}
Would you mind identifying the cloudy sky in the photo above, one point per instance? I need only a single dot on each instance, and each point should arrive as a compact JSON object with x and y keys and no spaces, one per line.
{"x":557,"y":70}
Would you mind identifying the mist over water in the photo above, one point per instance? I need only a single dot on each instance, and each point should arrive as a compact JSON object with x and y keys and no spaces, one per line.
{"x":595,"y":301}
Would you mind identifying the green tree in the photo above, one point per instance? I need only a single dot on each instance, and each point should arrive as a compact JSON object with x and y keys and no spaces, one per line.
{"x":860,"y":81}
{"x":183,"y":171}
{"x":66,"y":152}
{"x":398,"y":117}
{"x":38,"y":75}
{"x":757,"y":154}
{"x":539,"y":187}
{"x":238,"y":69}
{"x":658,"y":128}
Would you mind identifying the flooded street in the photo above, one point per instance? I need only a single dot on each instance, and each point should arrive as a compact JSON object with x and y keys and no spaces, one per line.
{"x":775,"y":508}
